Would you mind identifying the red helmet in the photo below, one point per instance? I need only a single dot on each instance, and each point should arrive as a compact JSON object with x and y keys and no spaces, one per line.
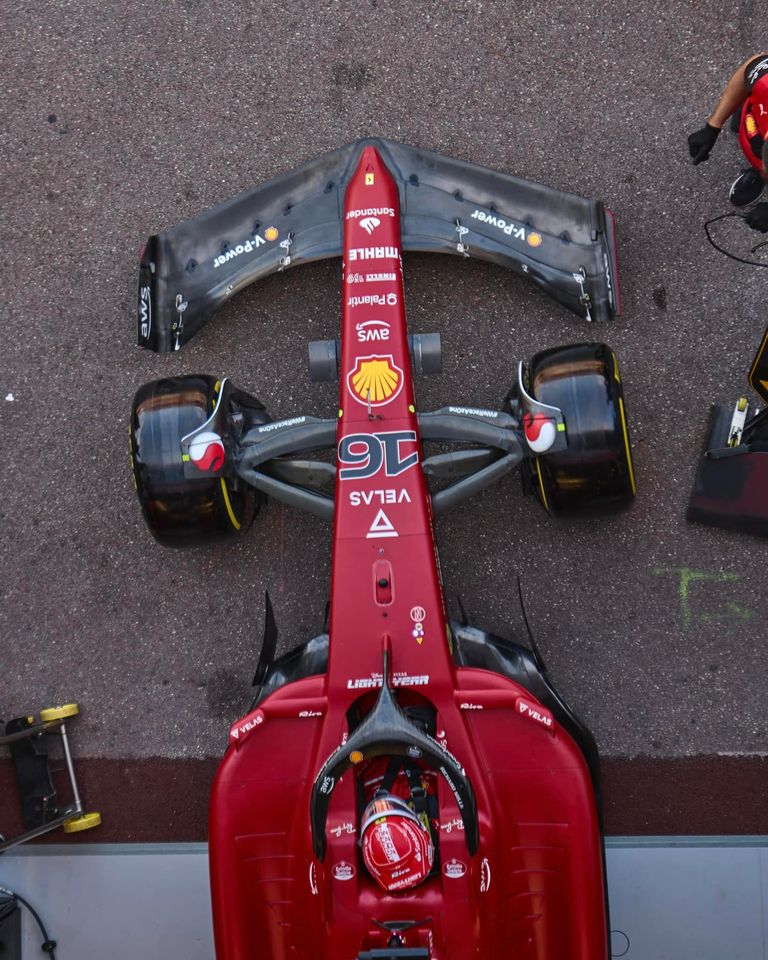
{"x":397,"y":848}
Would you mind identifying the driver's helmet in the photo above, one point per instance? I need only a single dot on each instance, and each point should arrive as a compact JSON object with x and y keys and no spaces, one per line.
{"x":397,"y":848}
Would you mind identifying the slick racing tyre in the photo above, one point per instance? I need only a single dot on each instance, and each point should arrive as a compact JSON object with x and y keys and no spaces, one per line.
{"x":180,"y":511}
{"x":594,"y":475}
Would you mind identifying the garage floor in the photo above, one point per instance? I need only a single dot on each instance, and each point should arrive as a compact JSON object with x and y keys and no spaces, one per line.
{"x":685,"y":898}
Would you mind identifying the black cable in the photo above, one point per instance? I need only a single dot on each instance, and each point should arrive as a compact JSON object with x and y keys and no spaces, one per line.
{"x":48,"y":945}
{"x":750,"y":263}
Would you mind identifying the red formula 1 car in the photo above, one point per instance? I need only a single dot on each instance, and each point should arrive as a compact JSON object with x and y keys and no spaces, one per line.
{"x":404,"y":786}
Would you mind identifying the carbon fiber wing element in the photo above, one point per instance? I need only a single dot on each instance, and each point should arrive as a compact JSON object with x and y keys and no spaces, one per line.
{"x":562,"y":242}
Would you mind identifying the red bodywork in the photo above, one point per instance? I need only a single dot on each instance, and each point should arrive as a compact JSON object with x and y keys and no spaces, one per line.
{"x":534,"y":890}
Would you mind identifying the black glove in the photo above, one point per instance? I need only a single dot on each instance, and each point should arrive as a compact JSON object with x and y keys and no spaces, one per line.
{"x":757,"y":218}
{"x":700,"y":143}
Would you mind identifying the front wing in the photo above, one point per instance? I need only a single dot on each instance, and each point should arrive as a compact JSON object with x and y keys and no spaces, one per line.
{"x":563,"y":242}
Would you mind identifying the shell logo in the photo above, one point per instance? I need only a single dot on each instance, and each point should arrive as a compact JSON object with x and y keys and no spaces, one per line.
{"x":375,"y":379}
{"x":271,"y":233}
{"x":534,"y":239}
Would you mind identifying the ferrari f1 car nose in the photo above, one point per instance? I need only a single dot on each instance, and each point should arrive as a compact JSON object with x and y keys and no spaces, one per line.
{"x":564,"y":243}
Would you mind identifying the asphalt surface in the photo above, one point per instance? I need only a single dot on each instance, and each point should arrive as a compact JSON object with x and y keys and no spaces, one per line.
{"x":120,"y":122}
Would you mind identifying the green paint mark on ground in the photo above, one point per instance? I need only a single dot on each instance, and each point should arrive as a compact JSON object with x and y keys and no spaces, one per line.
{"x":687,"y":579}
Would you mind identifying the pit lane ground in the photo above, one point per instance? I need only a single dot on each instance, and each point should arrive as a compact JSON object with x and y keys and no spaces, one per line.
{"x":122,"y":121}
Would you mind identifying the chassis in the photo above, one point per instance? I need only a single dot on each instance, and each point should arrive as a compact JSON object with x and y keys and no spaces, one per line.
{"x":519,"y":868}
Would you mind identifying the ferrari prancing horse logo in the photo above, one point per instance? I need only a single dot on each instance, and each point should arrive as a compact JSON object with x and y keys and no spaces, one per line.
{"x":375,"y":380}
